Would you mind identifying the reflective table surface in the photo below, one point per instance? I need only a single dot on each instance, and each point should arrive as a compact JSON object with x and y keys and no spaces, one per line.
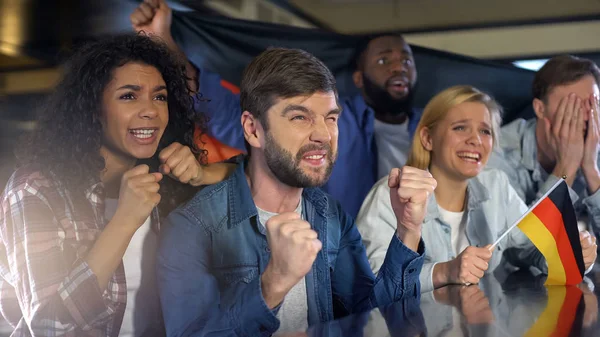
{"x":502,"y":304}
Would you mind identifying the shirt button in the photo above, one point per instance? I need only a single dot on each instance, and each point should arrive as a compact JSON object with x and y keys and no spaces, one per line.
{"x":267,"y":249}
{"x":446,"y":230}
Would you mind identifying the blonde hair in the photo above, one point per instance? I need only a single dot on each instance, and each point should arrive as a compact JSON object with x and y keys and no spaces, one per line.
{"x":436,"y":110}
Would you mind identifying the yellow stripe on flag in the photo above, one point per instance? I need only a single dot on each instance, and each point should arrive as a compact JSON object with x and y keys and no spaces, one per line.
{"x":548,"y":320}
{"x":544,"y":241}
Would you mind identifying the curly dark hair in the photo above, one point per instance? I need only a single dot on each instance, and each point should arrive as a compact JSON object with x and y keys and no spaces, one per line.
{"x":68,"y":136}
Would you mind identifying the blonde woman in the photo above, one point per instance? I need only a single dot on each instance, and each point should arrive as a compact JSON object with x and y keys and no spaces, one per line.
{"x":470,"y":207}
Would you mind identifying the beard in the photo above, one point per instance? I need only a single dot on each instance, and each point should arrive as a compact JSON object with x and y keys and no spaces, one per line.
{"x":382,"y":101}
{"x":286,"y":167}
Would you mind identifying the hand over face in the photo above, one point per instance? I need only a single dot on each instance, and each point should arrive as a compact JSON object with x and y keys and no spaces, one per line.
{"x":564,"y":134}
{"x":592,"y":137}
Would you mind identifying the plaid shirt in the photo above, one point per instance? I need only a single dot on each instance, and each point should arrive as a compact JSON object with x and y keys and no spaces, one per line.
{"x":46,"y":286}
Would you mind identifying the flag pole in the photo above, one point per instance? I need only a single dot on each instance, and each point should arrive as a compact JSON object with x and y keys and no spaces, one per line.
{"x":560,"y":180}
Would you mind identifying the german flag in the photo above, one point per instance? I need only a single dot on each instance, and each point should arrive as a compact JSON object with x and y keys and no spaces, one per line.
{"x":551,"y":225}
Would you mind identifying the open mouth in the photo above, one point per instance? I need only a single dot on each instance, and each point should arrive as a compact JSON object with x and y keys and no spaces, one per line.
{"x":398,"y":84}
{"x":471,"y":157}
{"x":143,"y":133}
{"x":315,"y":158}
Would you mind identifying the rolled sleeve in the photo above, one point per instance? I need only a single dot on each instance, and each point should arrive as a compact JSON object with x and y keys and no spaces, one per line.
{"x":426,"y":277}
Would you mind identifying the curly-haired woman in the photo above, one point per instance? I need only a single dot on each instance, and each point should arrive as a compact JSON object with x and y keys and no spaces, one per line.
{"x":88,"y":184}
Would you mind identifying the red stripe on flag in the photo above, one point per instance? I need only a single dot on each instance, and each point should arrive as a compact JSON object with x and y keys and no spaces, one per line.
{"x":568,"y":312}
{"x":231,"y":87}
{"x":551,"y":217}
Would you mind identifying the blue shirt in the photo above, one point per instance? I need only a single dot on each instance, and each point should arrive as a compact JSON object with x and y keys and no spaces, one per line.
{"x":355,"y":171}
{"x":212,"y":252}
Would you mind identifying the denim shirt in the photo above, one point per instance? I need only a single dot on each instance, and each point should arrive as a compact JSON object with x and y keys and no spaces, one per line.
{"x":355,"y":170}
{"x":517,"y":157}
{"x":212,"y":253}
{"x":492,"y":207}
